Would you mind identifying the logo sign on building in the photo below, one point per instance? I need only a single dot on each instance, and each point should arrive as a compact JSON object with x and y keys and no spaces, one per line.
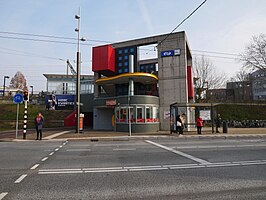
{"x":176,"y":52}
{"x":60,"y":102}
{"x":111,"y":102}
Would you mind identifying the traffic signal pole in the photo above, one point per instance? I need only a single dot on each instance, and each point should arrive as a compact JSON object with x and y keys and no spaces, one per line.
{"x":25,"y":119}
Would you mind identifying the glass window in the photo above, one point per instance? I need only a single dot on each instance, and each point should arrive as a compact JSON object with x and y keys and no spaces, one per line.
{"x":126,"y":70}
{"x":126,"y":57}
{"x":126,"y":63}
{"x":148,"y":114}
{"x":126,"y":51}
{"x":120,"y":51}
{"x":132,"y":50}
{"x":140,"y":117}
{"x":131,"y":114}
{"x":120,"y":58}
{"x":120,"y":64}
{"x":123,"y":114}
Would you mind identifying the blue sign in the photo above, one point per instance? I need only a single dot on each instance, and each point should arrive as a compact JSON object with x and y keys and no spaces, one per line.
{"x":18,"y":98}
{"x":175,"y":52}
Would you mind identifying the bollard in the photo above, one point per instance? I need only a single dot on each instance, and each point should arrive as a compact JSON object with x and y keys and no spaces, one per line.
{"x":225,"y":127}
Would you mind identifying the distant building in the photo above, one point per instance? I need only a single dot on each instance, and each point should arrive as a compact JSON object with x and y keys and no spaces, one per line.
{"x":239,"y":91}
{"x":258,"y":79}
{"x":66,"y":84}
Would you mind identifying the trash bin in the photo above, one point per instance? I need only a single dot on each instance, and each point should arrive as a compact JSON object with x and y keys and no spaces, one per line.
{"x":225,"y":127}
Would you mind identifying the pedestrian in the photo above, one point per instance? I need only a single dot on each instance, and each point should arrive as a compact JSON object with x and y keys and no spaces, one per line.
{"x":218,"y":123}
{"x":199,"y":124}
{"x":183,"y":122}
{"x":179,"y":125}
{"x":38,"y":121}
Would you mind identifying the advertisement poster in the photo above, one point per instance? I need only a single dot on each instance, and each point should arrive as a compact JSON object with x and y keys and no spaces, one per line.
{"x":205,"y":114}
{"x":60,"y":102}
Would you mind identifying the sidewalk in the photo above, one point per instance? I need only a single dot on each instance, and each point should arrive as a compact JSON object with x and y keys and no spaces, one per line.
{"x":109,"y":135}
{"x":104,"y":135}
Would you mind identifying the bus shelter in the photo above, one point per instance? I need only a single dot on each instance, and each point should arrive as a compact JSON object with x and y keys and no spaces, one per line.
{"x":207,"y":111}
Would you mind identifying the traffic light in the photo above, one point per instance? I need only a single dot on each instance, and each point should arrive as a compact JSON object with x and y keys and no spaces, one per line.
{"x":26,"y":95}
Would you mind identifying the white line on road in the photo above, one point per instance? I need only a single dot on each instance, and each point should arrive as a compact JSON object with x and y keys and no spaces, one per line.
{"x":35,"y":166}
{"x":44,"y":159}
{"x":21,"y":178}
{"x":55,"y":135}
{"x":3,"y":194}
{"x":52,"y":153}
{"x":78,"y":150}
{"x":149,"y":168}
{"x":62,"y":172}
{"x":56,"y":149}
{"x":132,"y":149}
{"x":199,"y":160}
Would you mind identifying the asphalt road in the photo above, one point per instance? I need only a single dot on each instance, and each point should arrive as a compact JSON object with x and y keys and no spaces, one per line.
{"x":134,"y":169}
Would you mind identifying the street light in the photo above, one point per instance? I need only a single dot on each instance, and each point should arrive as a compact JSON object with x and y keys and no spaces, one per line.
{"x":31,"y":90}
{"x":77,"y":17}
{"x":5,"y":84}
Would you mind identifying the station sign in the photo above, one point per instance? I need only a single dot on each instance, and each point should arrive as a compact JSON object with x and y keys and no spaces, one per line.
{"x":176,"y":52}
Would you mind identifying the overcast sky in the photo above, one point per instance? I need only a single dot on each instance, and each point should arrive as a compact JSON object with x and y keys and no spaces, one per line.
{"x":222,"y":26}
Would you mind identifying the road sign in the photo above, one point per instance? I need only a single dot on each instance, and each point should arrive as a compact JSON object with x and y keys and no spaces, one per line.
{"x":18,"y":98}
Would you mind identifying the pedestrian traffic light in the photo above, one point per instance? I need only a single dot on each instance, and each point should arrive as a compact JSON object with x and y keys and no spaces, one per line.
{"x":26,"y":95}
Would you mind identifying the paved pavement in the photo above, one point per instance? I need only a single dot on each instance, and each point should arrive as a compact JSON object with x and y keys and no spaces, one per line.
{"x":107,"y":135}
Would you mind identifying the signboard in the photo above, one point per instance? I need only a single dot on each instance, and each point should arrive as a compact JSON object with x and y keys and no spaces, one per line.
{"x":205,"y":114}
{"x":111,"y":102}
{"x":166,"y":115}
{"x":176,"y":52}
{"x":18,"y":98}
{"x":60,"y":102}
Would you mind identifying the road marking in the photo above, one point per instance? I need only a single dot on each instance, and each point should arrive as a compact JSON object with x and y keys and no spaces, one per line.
{"x":52,"y":153}
{"x":55,"y":135}
{"x":132,"y":149}
{"x":62,"y":172}
{"x":199,"y":160}
{"x":57,"y":149}
{"x":21,"y":178}
{"x":3,"y":194}
{"x":60,"y":146}
{"x":35,"y":166}
{"x":78,"y":150}
{"x":44,"y":159}
{"x":149,"y":168}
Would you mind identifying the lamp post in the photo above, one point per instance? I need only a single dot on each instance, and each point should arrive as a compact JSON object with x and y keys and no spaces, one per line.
{"x":77,"y":17}
{"x":31,"y":90}
{"x":5,"y":84}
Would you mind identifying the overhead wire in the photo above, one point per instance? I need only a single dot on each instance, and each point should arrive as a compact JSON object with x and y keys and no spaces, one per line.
{"x":182,"y":22}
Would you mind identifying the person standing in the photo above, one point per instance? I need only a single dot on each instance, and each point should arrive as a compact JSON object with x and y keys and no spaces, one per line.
{"x":38,"y":121}
{"x":183,"y":122}
{"x":218,"y":123}
{"x":179,"y":125}
{"x":199,"y":124}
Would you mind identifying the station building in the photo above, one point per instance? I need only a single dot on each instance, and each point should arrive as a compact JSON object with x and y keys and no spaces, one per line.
{"x":133,"y":94}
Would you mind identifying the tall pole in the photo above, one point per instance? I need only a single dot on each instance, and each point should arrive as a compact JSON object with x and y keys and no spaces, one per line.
{"x":78,"y":78}
{"x":4,"y":84}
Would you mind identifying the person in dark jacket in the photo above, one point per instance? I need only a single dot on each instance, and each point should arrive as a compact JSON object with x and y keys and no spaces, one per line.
{"x":38,"y":121}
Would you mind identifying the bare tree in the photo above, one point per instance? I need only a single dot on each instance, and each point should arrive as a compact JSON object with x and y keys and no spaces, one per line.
{"x":241,"y":76}
{"x":206,"y":77}
{"x":19,"y":81}
{"x":254,"y":56}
